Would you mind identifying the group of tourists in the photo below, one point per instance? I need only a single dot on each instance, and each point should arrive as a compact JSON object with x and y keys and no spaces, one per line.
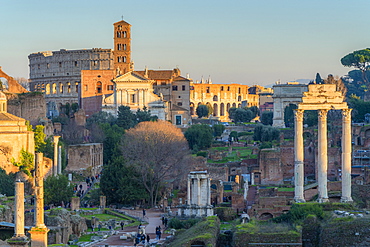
{"x":141,"y":238}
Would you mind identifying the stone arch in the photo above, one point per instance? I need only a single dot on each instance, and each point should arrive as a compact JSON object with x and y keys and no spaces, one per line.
{"x":61,"y":87}
{"x":239,"y":98}
{"x":215,"y":98}
{"x":266,"y":216}
{"x":13,"y":85}
{"x":222,"y":109}
{"x":76,"y":86}
{"x":192,"y":111}
{"x":239,"y":105}
{"x":54,"y":88}
{"x":285,"y":94}
{"x":215,"y":110}
{"x":68,"y":87}
{"x":4,"y":83}
{"x":234,"y":105}
{"x":227,"y":107}
{"x":99,"y":87}
{"x":47,"y":88}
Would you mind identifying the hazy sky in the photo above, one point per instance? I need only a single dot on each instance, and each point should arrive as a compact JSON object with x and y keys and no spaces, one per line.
{"x":248,"y":42}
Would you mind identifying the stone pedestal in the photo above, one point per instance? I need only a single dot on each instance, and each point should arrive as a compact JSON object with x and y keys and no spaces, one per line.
{"x":39,"y":236}
{"x":18,"y":241}
{"x":103,"y":201}
{"x":75,"y":203}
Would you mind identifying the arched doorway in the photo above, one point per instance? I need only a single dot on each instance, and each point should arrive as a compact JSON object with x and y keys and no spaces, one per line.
{"x":215,"y":110}
{"x":222,"y":109}
{"x":266,"y":216}
{"x":192,"y":112}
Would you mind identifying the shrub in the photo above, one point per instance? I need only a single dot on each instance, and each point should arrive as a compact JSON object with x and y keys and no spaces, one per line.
{"x":202,"y":153}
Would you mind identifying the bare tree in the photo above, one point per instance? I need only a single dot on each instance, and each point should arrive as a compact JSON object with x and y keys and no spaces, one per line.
{"x":23,"y":82}
{"x":158,"y":151}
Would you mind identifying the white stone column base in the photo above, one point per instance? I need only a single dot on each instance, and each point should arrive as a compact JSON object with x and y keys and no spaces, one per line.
{"x":322,"y":200}
{"x":299,"y":200}
{"x":345,"y":199}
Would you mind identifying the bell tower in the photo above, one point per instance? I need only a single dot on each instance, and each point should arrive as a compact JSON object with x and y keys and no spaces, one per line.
{"x":122,"y":47}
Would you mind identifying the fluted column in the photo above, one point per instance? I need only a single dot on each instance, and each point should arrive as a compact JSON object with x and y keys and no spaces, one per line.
{"x":322,"y":157}
{"x":346,"y":155}
{"x":298,"y":157}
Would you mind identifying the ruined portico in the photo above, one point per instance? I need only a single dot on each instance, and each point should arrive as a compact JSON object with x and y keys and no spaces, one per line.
{"x":322,"y":97}
{"x":198,"y":196}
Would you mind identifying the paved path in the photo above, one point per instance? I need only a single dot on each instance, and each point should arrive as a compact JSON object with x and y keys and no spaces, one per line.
{"x":153,"y":217}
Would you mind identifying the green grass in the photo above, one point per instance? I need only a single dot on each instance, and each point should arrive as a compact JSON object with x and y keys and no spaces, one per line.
{"x":285,"y":189}
{"x":105,"y":217}
{"x":87,"y":237}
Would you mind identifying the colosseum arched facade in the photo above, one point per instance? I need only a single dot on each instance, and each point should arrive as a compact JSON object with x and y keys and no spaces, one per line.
{"x":58,"y":73}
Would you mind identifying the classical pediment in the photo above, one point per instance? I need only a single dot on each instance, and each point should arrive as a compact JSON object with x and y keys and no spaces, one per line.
{"x":131,"y":77}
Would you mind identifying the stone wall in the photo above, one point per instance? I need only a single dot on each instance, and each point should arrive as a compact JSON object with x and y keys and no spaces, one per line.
{"x":30,"y":106}
{"x":270,"y":166}
{"x":85,"y":158}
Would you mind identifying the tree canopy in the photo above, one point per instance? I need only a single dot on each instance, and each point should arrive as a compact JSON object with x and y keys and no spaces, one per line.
{"x":199,"y":136}
{"x":265,"y":133}
{"x":126,"y":118}
{"x":358,"y":59}
{"x":158,"y":152}
{"x":7,"y":183}
{"x":57,"y":189}
{"x":121,"y":183}
{"x":267,"y":117}
{"x":202,"y":111}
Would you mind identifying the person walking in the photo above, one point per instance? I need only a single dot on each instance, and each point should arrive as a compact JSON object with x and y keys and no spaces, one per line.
{"x":147,"y":239}
{"x":122,"y":224}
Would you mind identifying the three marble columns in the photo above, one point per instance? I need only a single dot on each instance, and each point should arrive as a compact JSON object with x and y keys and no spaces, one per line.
{"x":322,"y":170}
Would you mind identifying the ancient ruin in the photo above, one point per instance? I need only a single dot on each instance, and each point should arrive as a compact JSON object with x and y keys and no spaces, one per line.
{"x":19,"y":239}
{"x":39,"y":231}
{"x":322,"y":97}
{"x":198,"y":196}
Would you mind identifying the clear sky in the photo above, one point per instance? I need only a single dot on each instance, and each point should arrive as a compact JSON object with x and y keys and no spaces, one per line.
{"x":242,"y":41}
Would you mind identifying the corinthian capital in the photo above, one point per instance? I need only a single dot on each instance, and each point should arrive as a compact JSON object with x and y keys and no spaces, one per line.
{"x":298,"y":115}
{"x":322,"y":114}
{"x":346,"y":113}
